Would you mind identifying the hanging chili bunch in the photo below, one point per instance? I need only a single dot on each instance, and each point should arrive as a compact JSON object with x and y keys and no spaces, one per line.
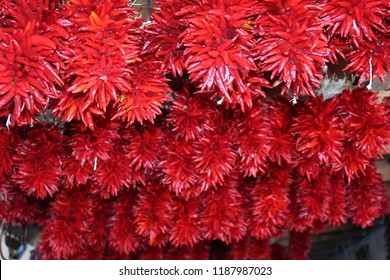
{"x":319,"y":137}
{"x":122,"y":237}
{"x":212,"y":42}
{"x":291,"y":45}
{"x":62,"y":237}
{"x":369,"y":198}
{"x":153,"y":214}
{"x":370,"y":60}
{"x":29,"y":63}
{"x":253,"y":139}
{"x":358,"y":30}
{"x":365,"y":131}
{"x":187,"y":226}
{"x":270,"y":203}
{"x":163,"y":36}
{"x":36,"y":175}
{"x":99,"y":53}
{"x":144,"y":100}
{"x":223,"y":212}
{"x":217,"y":42}
{"x":356,"y":20}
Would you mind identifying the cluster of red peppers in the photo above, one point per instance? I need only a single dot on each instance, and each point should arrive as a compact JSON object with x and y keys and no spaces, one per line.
{"x":137,"y":166}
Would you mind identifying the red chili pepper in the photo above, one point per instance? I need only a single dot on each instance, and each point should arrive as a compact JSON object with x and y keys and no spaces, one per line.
{"x":8,"y":96}
{"x":39,"y":40}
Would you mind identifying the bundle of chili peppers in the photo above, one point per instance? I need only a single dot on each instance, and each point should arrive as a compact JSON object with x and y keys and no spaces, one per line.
{"x":159,"y":139}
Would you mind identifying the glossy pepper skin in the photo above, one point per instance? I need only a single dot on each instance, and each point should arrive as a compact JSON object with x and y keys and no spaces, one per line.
{"x":29,"y":61}
{"x":76,"y":60}
{"x":152,"y":179}
{"x":197,"y":135}
{"x":80,"y":59}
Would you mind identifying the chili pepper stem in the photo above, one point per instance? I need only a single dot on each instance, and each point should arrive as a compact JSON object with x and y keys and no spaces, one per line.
{"x":355,"y":26}
{"x":95,"y":164}
{"x":219,"y":102}
{"x":294,"y":100}
{"x":8,"y":122}
{"x":369,"y":86}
